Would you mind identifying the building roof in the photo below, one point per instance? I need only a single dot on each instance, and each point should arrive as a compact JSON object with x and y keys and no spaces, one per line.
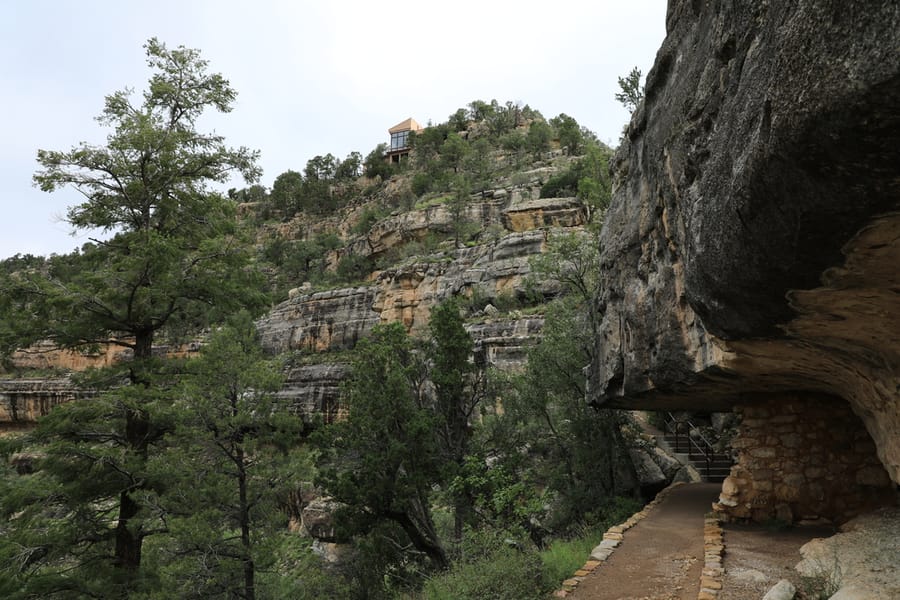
{"x":407,"y":125}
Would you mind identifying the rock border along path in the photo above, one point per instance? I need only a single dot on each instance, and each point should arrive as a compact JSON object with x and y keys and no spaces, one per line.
{"x":710,"y":574}
{"x":713,"y":551}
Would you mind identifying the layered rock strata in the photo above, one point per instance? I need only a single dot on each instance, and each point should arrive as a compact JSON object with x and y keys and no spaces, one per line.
{"x":753,"y":241}
{"x":23,"y":401}
{"x":336,"y":319}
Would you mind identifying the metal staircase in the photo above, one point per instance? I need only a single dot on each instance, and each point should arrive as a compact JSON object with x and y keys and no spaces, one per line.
{"x":697,"y":449}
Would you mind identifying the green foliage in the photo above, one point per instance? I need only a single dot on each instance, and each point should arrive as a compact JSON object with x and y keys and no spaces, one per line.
{"x":479,"y":166}
{"x":493,"y":567}
{"x":175,"y":263}
{"x":383,"y":459}
{"x":353,"y":267}
{"x":60,"y":522}
{"x":632,"y":92}
{"x":568,"y":132}
{"x":226,"y":464}
{"x":291,"y":262}
{"x":428,"y":142}
{"x":576,"y":450}
{"x":422,"y":183}
{"x":376,"y":166}
{"x":453,"y":152}
{"x":287,"y":192}
{"x":538,"y":138}
{"x":563,"y":557}
{"x":587,"y":178}
{"x":367,"y":218}
{"x":480,"y":110}
{"x":458,"y":392}
{"x":300,"y":574}
{"x":313,"y":190}
{"x":254,"y":193}
{"x":459,"y":120}
{"x":457,"y":205}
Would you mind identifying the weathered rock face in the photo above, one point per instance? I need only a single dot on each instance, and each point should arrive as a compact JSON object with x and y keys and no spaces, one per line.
{"x":753,"y":241}
{"x":545,"y":212}
{"x":312,"y":391}
{"x":861,"y":561}
{"x":331,"y":320}
{"x":503,"y":343}
{"x":337,"y":319}
{"x":22,"y":401}
{"x":45,"y":355}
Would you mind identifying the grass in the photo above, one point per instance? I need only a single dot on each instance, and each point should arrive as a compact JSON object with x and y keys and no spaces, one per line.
{"x":562,"y":558}
{"x":432,"y":202}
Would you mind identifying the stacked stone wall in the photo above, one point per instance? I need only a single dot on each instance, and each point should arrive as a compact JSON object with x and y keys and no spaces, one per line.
{"x":803,"y":457}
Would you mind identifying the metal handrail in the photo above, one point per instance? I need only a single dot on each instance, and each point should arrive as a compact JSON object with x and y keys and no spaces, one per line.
{"x":706,"y":450}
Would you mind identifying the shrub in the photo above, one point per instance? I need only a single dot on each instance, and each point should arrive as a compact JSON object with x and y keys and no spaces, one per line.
{"x":493,"y":567}
{"x":421,"y":183}
{"x":369,"y":217}
{"x":353,"y":268}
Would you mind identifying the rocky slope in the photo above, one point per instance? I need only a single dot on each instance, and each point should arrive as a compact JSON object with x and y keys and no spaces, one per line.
{"x":753,"y":242}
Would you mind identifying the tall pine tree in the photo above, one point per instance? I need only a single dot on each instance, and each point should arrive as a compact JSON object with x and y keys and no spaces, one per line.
{"x":173,"y":262}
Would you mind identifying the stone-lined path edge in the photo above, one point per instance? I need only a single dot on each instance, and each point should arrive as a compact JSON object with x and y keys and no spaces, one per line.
{"x":713,"y":550}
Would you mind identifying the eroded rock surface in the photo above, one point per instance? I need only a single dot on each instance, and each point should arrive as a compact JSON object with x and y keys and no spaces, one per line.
{"x":859,"y":562}
{"x":753,"y":241}
{"x":23,"y":401}
{"x":336,"y":319}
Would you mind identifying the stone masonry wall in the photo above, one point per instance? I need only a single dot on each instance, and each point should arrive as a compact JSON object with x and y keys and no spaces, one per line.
{"x":803,"y":456}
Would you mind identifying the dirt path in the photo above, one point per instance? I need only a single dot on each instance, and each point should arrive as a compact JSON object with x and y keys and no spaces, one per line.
{"x":660,"y":557}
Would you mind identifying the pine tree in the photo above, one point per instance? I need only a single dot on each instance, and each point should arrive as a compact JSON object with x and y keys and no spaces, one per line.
{"x":174,"y":263}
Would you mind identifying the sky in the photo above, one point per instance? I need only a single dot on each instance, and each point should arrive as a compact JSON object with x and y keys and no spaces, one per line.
{"x":311,"y":77}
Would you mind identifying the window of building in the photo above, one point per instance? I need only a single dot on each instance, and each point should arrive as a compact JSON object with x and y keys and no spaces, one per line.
{"x":399,"y":140}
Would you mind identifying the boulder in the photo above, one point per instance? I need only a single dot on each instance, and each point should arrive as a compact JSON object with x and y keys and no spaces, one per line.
{"x":648,"y":472}
{"x":783,"y":590}
{"x":318,"y":519}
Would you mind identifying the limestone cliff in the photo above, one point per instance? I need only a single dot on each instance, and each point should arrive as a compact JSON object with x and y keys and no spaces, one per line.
{"x":753,"y":242}
{"x":22,"y":401}
{"x":336,"y":319}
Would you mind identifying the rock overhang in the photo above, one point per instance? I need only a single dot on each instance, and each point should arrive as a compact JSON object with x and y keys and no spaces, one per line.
{"x":753,"y":241}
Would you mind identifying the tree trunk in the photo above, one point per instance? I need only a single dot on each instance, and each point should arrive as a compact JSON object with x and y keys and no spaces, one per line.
{"x":128,"y":542}
{"x":432,"y":549}
{"x":249,"y":586}
{"x":129,"y":539}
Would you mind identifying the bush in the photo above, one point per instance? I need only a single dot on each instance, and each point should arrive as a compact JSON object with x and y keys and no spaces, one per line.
{"x":301,"y":575}
{"x":562,"y":184}
{"x":421,"y":183}
{"x":353,"y":268}
{"x":369,"y":217}
{"x":494,"y":567}
{"x":562,"y":557}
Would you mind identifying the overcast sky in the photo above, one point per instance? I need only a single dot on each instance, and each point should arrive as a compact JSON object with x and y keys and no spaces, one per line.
{"x":312,"y":77}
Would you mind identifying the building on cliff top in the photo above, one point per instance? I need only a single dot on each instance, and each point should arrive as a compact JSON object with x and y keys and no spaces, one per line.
{"x":400,"y":139}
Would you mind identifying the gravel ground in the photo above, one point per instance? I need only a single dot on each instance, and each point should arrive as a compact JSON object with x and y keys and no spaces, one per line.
{"x":757,"y":557}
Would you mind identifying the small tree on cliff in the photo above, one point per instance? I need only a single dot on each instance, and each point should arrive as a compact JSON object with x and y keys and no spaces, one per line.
{"x":173,"y":263}
{"x":631,"y":92}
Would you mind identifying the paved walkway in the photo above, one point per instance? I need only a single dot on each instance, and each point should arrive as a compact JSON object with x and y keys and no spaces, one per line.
{"x":661,"y":557}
